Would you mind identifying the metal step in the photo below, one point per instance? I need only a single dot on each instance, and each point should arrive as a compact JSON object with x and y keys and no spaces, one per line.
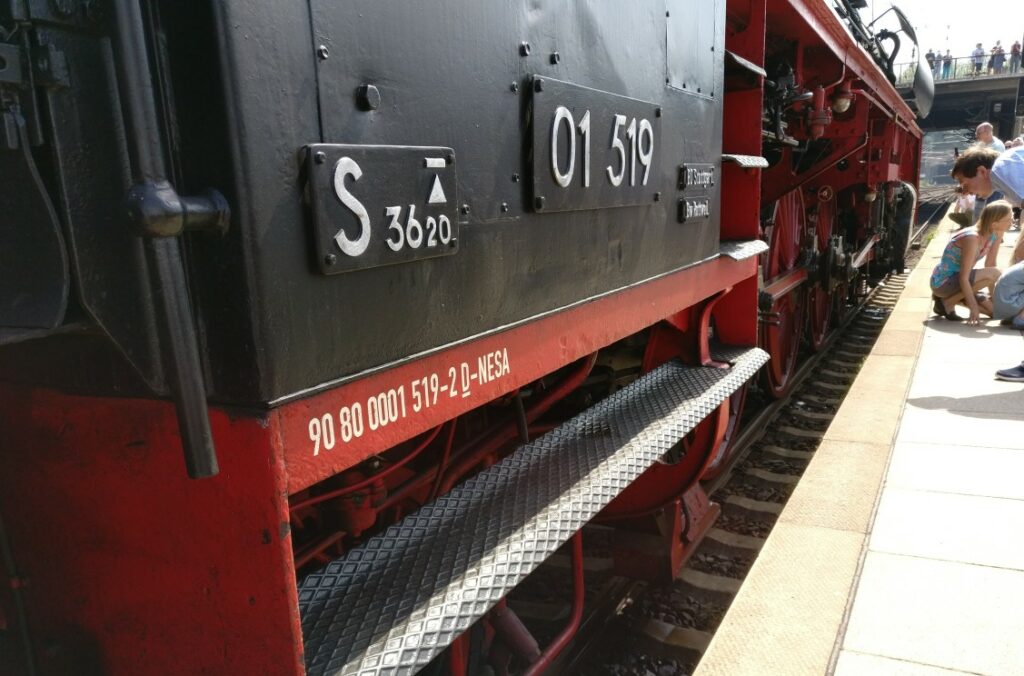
{"x":741,"y":249}
{"x":749,"y":66}
{"x":746,"y":161}
{"x":394,"y":603}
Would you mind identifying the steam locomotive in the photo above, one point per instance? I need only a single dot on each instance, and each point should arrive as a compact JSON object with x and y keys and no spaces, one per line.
{"x":322,"y":324}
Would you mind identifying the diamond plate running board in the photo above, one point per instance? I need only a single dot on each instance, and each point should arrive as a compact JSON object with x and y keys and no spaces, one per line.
{"x":394,"y":603}
{"x":742,"y":249}
{"x":746,"y":161}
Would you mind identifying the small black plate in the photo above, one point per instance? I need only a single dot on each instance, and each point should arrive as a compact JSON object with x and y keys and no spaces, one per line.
{"x":378,"y":205}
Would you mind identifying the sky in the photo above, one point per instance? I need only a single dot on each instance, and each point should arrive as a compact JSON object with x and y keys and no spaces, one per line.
{"x":956,"y":25}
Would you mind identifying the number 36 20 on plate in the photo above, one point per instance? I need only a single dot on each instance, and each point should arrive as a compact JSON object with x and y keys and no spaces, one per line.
{"x":377,"y":205}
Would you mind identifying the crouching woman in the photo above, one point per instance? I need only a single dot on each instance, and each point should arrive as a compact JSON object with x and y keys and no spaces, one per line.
{"x":955,"y":280}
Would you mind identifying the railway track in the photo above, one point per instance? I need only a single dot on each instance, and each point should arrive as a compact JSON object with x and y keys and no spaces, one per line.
{"x":634,"y":628}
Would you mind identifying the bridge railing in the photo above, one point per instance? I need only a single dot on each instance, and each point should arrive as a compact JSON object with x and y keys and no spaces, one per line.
{"x":960,"y":68}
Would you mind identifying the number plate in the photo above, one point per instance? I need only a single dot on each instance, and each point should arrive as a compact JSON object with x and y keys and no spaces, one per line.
{"x":592,"y":149}
{"x":378,"y":205}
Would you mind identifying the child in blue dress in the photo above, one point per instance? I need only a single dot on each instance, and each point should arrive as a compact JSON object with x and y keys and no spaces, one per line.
{"x":955,"y":280}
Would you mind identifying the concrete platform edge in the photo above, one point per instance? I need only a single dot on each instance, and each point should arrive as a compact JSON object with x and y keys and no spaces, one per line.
{"x":773,"y":626}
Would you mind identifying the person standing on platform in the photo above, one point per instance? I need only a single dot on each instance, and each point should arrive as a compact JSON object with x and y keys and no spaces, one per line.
{"x":986,"y":139}
{"x":979,"y":59}
{"x":930,"y":58}
{"x":981,"y":171}
{"x":947,"y":65}
{"x":1015,"y":57}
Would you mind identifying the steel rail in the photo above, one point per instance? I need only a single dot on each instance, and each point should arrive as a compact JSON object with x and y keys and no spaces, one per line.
{"x":752,"y":430}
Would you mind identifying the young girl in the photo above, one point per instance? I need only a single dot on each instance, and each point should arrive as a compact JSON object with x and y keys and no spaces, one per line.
{"x":954,"y":280}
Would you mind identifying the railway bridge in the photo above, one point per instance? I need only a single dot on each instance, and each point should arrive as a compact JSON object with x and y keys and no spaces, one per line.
{"x":962,"y":101}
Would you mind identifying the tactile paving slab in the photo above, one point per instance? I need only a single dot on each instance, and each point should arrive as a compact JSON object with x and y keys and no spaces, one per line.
{"x":394,"y":603}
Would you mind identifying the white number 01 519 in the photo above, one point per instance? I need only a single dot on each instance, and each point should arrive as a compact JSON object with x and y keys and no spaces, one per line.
{"x":639,"y":136}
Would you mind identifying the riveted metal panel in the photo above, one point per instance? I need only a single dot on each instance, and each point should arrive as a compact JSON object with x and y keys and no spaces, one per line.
{"x":442,"y":76}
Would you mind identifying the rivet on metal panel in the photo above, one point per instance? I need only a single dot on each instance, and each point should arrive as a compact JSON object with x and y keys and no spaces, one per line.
{"x":504,"y":207}
{"x":323,"y":52}
{"x":464,"y":209}
{"x":330,"y":259}
{"x":555,"y":58}
{"x":515,"y":178}
{"x":524,"y":49}
{"x":514,"y":87}
{"x":657,"y":197}
{"x":368,"y":97}
{"x":319,"y":157}
{"x":538,"y":202}
{"x":538,"y":85}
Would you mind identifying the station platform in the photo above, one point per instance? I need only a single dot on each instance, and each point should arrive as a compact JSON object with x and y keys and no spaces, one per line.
{"x":901,"y":549}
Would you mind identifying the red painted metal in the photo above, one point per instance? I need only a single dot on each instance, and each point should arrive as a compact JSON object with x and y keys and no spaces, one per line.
{"x":665,"y":482}
{"x":513,"y":633}
{"x":735,"y":324}
{"x":651,"y":547}
{"x":126,"y":567}
{"x":562,"y":640}
{"x":131,"y":567}
{"x":704,"y":331}
{"x":442,"y":467}
{"x":369,"y":481}
{"x":458,"y":656}
{"x":820,"y":301}
{"x":532,"y":349}
{"x":483,"y":448}
{"x":785,"y":283}
{"x":783,"y":325}
{"x":655,"y":547}
{"x":866,"y":253}
{"x":820,"y":23}
{"x":819,"y":115}
{"x":700,"y":513}
{"x":850,"y":138}
{"x":718,"y":460}
{"x":474,"y":456}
